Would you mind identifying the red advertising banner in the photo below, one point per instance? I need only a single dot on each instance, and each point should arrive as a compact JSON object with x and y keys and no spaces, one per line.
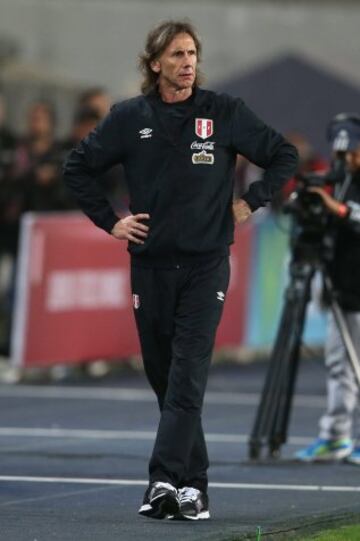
{"x":73,"y":299}
{"x":232,"y":329}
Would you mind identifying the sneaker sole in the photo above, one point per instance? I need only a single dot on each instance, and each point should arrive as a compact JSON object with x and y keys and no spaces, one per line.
{"x":162,"y":506}
{"x":351,"y":460}
{"x":204,"y":515}
{"x":145,"y":510}
{"x":338,"y":455}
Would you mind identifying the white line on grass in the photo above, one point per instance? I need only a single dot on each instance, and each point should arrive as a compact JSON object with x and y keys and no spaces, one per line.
{"x":77,"y":433}
{"x":143,"y":482}
{"x":140,"y":395}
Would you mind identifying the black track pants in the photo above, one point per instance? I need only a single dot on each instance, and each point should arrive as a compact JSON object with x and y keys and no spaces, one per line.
{"x":177,"y":312}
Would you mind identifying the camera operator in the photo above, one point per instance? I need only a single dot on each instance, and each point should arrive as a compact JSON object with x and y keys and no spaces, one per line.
{"x":335,"y":427}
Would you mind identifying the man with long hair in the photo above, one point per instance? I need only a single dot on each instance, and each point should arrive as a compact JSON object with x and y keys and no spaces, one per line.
{"x":178,"y":144}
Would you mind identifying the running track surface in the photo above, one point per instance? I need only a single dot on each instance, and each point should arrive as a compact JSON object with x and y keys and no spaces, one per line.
{"x":74,"y":462}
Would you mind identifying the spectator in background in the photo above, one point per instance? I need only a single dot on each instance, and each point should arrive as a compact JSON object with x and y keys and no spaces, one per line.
{"x":7,"y":144}
{"x":39,"y":156}
{"x":98,"y":99}
{"x":7,"y":206}
{"x":39,"y":140}
{"x":35,"y":184}
{"x":43,"y":189}
{"x":36,"y":147}
{"x":85,"y":120}
{"x":8,"y":231}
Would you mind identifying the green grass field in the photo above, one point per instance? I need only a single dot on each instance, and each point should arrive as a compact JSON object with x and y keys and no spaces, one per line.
{"x":342,"y":533}
{"x":345,"y":533}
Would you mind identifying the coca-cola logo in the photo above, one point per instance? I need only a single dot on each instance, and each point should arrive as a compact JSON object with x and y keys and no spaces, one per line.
{"x":206,"y":145}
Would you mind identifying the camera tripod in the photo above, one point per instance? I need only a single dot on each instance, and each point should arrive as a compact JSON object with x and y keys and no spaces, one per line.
{"x":272,"y":418}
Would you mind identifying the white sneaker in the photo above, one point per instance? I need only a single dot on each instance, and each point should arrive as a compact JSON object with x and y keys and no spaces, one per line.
{"x":194,"y":504}
{"x":160,"y":500}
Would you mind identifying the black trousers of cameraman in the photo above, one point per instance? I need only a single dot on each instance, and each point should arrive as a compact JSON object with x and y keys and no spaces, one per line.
{"x":177,"y":312}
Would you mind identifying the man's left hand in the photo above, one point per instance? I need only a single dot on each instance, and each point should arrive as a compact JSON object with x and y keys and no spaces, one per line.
{"x":241,"y":211}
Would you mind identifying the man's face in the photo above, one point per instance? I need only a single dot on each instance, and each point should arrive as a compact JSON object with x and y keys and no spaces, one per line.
{"x":177,"y":64}
{"x":353,"y":160}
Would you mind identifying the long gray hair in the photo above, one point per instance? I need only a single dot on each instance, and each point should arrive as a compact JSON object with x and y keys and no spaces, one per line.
{"x":158,"y":39}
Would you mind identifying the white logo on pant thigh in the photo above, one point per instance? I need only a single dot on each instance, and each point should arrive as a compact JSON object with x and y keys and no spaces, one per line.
{"x":220,"y":295}
{"x":136,"y":301}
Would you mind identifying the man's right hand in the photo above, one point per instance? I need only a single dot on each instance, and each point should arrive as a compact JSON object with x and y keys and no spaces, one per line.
{"x":131,"y":228}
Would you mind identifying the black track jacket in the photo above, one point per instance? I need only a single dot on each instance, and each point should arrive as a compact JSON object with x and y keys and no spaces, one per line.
{"x":345,"y":266}
{"x":181,"y":177}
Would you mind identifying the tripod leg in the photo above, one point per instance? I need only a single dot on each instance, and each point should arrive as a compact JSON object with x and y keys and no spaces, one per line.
{"x":278,"y":434}
{"x":268,"y":399}
{"x":279,"y":385}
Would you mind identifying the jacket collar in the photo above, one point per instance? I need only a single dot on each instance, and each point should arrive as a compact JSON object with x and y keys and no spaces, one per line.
{"x":154,"y":97}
